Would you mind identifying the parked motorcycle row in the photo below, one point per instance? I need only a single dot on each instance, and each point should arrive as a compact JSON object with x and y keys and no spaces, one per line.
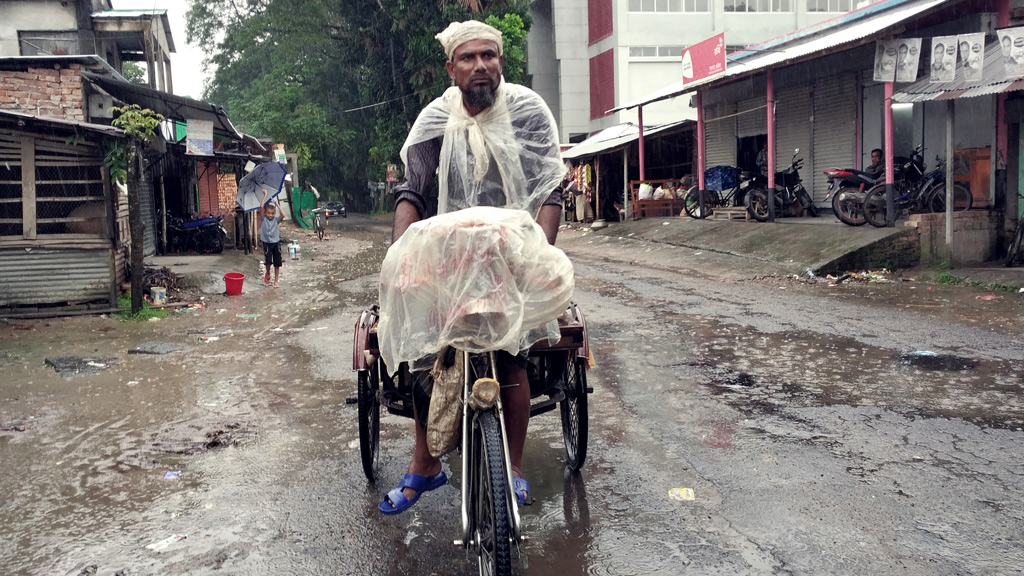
{"x":730,"y":187}
{"x":203,"y":235}
{"x":858,"y":197}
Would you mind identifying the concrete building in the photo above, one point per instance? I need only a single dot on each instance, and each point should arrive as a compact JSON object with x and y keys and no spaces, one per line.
{"x":589,"y":56}
{"x":43,"y":28}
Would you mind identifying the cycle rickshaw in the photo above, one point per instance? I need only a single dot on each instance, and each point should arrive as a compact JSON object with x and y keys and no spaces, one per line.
{"x":490,"y":516}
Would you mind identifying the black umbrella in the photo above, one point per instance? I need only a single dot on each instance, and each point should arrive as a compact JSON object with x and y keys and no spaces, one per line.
{"x":268,"y":176}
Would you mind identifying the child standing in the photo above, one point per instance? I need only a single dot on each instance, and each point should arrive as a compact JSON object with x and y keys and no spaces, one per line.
{"x":270,"y":236}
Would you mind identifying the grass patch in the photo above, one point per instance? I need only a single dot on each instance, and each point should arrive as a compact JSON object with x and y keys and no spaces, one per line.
{"x":1000,"y":287}
{"x":147,"y":312}
{"x":379,"y":213}
{"x":948,"y":278}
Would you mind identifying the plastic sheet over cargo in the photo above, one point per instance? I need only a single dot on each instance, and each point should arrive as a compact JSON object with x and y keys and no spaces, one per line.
{"x":479,"y":279}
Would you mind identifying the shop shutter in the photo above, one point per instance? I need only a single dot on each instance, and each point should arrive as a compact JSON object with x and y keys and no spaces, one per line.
{"x":720,"y":136}
{"x":835,"y":129}
{"x":753,"y":117}
{"x":793,"y":129}
{"x":148,"y":205}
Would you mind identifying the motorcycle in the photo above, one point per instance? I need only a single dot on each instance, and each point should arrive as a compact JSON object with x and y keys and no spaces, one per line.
{"x":927,"y":193}
{"x":203,"y":235}
{"x":846,"y":190}
{"x":847,"y":187}
{"x":789,"y":192}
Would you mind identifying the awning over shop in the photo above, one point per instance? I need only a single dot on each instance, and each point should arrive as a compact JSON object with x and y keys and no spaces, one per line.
{"x":821,"y":39}
{"x":169,"y":105}
{"x":22,"y":120}
{"x":994,"y":81}
{"x":616,"y":137}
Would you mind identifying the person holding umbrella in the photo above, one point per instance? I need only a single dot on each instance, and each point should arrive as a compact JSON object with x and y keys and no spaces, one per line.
{"x":270,"y":236}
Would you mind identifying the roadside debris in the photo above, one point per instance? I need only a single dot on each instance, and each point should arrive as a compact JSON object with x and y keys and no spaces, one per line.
{"x":351,"y":400}
{"x":191,"y":308}
{"x":209,"y":338}
{"x":157,"y":347}
{"x":68,"y":366}
{"x":986,"y":297}
{"x":172,"y":475}
{"x":681,"y":494}
{"x":247,"y":315}
{"x":929,"y":360}
{"x":163,"y":544}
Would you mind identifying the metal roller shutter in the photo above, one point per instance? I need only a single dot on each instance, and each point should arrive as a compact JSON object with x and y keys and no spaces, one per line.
{"x":793,"y":129}
{"x":753,"y":117}
{"x":835,"y":119}
{"x":148,"y":204}
{"x":720,"y":136}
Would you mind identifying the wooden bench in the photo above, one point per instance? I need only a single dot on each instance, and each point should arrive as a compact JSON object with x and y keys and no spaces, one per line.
{"x":665,"y":207}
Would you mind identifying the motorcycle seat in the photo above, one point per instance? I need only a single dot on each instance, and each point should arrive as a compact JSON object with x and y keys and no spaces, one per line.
{"x":198,"y":223}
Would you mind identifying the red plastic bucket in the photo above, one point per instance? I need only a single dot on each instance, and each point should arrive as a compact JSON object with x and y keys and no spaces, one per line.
{"x":233,"y":283}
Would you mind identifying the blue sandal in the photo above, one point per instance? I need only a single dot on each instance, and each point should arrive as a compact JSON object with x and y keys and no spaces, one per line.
{"x":395,"y":501}
{"x":522,"y":489}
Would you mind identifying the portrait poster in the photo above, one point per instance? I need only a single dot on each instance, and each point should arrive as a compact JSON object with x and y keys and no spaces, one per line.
{"x":908,"y":56}
{"x":199,"y":137}
{"x":971,"y":48}
{"x":1011,"y":40}
{"x":943,"y":62}
{"x":885,"y":60}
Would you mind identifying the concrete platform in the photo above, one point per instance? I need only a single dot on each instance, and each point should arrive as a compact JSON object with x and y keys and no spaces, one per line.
{"x":206,"y":271}
{"x":822,"y":244}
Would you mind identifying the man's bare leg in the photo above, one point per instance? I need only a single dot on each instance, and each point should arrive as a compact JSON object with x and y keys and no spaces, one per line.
{"x":422,"y":463}
{"x":515,"y":399}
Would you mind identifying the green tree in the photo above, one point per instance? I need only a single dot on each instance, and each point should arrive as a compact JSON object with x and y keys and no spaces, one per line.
{"x":139,"y":125}
{"x":133,"y":73}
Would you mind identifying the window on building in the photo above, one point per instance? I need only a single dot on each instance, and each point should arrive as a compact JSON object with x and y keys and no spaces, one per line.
{"x":759,"y":5}
{"x":656,"y":52}
{"x":829,"y":5}
{"x":669,"y":5}
{"x":44,"y":43}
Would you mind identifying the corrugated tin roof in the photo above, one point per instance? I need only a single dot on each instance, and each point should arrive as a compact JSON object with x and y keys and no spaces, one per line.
{"x":13,"y":116}
{"x":812,"y":41}
{"x":617,"y":136}
{"x":994,"y":80}
{"x":169,"y":105}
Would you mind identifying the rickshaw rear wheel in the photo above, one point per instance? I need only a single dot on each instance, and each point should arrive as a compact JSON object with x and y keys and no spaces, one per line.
{"x":369,"y":420}
{"x":575,"y":423}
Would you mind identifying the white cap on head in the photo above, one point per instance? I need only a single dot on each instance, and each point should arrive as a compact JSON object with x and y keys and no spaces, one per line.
{"x":458,"y":33}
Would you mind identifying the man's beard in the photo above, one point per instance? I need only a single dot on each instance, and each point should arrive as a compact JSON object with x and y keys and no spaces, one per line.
{"x":480,"y":97}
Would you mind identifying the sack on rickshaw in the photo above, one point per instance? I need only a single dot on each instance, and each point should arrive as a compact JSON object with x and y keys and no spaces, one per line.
{"x":445,"y":414}
{"x":480,"y":279}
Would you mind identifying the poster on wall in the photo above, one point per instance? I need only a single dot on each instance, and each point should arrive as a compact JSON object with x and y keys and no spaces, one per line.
{"x":908,"y":56}
{"x":885,"y":60}
{"x":1011,"y":40}
{"x":972,"y":55}
{"x":943,"y":63}
{"x":199,"y":137}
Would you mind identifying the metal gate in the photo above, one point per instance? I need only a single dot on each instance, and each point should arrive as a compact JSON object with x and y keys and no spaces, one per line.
{"x":720,"y":136}
{"x":148,"y":204}
{"x":793,"y":129}
{"x":835,"y":129}
{"x":752,"y":117}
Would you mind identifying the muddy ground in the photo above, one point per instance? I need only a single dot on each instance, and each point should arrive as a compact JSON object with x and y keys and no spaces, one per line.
{"x":813,"y":440}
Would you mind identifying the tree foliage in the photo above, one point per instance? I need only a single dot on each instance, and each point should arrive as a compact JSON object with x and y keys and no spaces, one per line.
{"x":339,"y":82}
{"x":133,"y":73}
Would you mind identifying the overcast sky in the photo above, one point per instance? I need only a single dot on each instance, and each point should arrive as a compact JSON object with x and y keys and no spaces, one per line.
{"x":186,"y":61}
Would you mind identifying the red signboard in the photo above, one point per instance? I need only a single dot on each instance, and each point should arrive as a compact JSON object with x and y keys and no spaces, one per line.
{"x":704,"y":59}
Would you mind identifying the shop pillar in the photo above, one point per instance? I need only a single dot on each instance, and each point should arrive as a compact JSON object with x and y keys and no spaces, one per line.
{"x":640,"y":120}
{"x":890,"y":208}
{"x":770,"y":109}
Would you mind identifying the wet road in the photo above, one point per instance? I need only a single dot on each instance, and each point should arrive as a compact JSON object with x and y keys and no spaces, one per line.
{"x":811,"y":446}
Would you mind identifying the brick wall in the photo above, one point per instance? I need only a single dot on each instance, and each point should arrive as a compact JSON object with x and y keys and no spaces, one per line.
{"x":975,"y":236}
{"x":900,"y":250}
{"x":51,"y":92}
{"x":227,"y":191}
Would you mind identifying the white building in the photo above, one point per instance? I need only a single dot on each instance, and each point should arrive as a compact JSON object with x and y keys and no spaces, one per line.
{"x":588,"y":56}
